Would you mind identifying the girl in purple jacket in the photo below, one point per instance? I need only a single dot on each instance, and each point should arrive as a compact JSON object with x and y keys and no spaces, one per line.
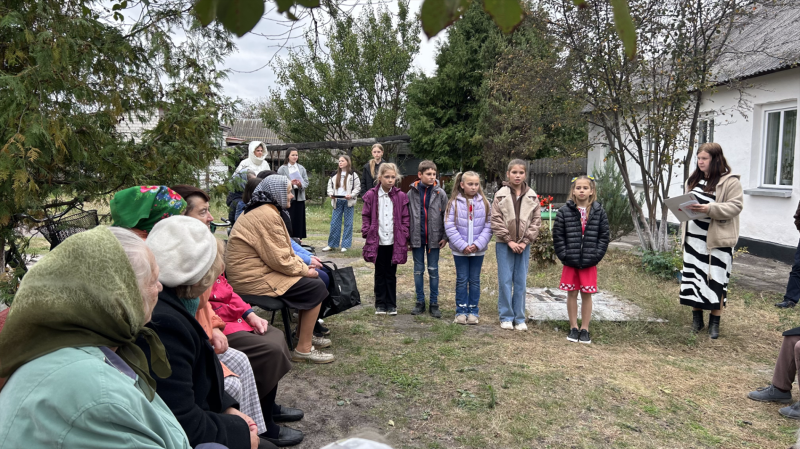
{"x":385,"y":225}
{"x":468,"y":231}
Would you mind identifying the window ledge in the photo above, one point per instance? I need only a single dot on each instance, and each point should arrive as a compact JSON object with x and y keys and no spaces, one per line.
{"x":763,"y":191}
{"x":637,"y":183}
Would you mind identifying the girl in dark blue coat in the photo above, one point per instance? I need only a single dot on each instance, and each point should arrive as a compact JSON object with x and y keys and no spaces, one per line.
{"x":580,"y":238}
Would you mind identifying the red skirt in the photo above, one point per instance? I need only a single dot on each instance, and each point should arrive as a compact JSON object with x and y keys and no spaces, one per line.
{"x":583,"y":279}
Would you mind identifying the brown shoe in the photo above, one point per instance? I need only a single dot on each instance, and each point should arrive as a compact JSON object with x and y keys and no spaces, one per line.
{"x":314,"y":356}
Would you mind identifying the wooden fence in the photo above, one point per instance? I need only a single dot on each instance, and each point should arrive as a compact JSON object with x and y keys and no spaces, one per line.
{"x":552,"y":177}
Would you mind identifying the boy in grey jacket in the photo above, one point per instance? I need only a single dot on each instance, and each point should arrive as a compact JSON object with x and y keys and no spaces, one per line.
{"x":427,"y":203}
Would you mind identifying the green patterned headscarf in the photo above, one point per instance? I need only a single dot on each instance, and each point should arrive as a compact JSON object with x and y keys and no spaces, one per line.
{"x":141,"y":207}
{"x":83,"y":293}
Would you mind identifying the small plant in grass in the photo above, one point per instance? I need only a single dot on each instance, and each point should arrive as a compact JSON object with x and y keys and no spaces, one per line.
{"x":663,"y":264}
{"x":542,"y":250}
{"x":611,"y":194}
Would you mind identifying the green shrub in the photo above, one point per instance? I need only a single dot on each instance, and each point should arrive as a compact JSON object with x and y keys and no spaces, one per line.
{"x":663,"y":264}
{"x":611,"y":194}
{"x":542,"y":250}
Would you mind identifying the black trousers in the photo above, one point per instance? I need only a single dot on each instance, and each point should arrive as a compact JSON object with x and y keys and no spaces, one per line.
{"x":385,"y":278}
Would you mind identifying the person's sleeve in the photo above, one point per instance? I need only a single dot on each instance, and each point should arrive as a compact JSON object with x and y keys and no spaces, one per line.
{"x":533,"y":226}
{"x":106,"y":425}
{"x":605,"y":236}
{"x":239,"y":209}
{"x":216,"y":321}
{"x":483,"y":239}
{"x":499,"y":222}
{"x":364,"y":186}
{"x":797,"y":217}
{"x":301,"y":252}
{"x":405,"y":217}
{"x":283,"y":171}
{"x":304,"y":175}
{"x":356,"y":185}
{"x":366,"y":214}
{"x":444,"y":211}
{"x":451,"y":231}
{"x":177,"y":391}
{"x":732,"y":206}
{"x":559,"y":243}
{"x":330,"y":187}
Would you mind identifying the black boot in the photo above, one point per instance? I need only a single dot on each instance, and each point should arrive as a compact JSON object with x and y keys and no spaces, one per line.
{"x":713,"y":326}
{"x":434,"y":310}
{"x":419,"y":308}
{"x":697,"y":321}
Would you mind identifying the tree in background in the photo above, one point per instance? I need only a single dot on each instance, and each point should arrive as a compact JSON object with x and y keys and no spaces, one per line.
{"x":494,"y":97}
{"x":611,"y":194}
{"x":354,"y":87}
{"x":67,"y":78}
{"x":529,"y":108}
{"x":643,"y":107}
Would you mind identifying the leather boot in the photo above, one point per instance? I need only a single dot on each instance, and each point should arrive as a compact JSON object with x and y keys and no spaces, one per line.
{"x":697,"y":321}
{"x":713,"y":326}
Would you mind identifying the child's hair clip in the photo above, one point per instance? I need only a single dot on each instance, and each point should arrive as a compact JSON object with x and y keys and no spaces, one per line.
{"x":576,"y":178}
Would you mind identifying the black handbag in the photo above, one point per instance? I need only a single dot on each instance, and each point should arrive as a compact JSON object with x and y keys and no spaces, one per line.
{"x":342,"y":290}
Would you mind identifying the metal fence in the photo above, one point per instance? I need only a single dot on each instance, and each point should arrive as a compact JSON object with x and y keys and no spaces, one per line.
{"x":552,"y":177}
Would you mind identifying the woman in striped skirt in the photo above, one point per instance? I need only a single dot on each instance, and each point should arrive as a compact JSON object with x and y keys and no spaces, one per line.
{"x":708,"y":242}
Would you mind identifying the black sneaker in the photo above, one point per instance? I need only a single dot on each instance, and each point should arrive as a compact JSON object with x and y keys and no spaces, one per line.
{"x":380,"y":310}
{"x":319,"y":328}
{"x":785,"y":304}
{"x":391,"y":311}
{"x":419,"y":308}
{"x":584,"y":337}
{"x":573,"y":335}
{"x":434,"y":310}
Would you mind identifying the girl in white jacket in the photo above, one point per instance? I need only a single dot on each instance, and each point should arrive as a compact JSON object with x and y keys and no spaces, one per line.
{"x":343,"y":188}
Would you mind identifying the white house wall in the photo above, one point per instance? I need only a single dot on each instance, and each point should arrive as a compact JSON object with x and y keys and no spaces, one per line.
{"x":741,"y":135}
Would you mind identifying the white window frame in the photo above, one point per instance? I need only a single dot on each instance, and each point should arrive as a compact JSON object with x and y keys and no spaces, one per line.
{"x":763,"y":149}
{"x":705,"y":135}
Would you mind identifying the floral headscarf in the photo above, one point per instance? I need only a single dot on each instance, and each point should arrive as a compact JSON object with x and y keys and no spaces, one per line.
{"x":141,"y":207}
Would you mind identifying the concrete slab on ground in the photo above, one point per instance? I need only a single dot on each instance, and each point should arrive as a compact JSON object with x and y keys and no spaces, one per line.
{"x":550,"y":304}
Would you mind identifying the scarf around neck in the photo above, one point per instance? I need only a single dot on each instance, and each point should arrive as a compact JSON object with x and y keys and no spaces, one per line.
{"x":83,"y":293}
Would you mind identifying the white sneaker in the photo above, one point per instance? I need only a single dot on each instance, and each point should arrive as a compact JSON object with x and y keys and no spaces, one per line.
{"x":521,"y":327}
{"x":507,"y":325}
{"x":327,"y":248}
{"x":343,"y":250}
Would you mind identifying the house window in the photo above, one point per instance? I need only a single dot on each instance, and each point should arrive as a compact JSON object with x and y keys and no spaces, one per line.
{"x":779,"y":135}
{"x":706,"y":131}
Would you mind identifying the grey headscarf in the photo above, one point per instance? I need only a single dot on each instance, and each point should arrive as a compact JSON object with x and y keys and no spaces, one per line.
{"x":272,"y":190}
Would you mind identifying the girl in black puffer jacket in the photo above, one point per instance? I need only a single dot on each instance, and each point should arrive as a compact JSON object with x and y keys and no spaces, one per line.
{"x":580,"y":238}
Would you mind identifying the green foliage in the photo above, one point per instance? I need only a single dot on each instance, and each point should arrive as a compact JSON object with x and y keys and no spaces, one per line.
{"x":611,"y":194}
{"x":664,"y":264}
{"x":69,"y":77}
{"x":542,"y":250}
{"x":444,"y":110}
{"x":529,"y":109}
{"x":354,"y":89}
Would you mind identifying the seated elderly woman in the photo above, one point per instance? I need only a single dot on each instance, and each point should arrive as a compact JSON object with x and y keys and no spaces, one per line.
{"x":249,"y":333}
{"x":189,"y":264}
{"x":139,"y":209}
{"x":261,"y":261}
{"x":77,"y":377}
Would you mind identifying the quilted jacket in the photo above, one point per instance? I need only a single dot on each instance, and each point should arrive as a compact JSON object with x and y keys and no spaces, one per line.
{"x":579,"y":248}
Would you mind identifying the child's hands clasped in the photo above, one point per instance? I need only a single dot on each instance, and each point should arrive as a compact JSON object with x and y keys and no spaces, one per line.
{"x":471,"y":249}
{"x":517,"y":247}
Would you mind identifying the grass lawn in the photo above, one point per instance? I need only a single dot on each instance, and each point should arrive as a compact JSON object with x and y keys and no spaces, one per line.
{"x":427,"y":383}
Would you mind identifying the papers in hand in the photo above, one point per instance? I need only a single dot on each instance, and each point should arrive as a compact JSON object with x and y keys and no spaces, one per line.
{"x":295,"y":176}
{"x":679,"y":206}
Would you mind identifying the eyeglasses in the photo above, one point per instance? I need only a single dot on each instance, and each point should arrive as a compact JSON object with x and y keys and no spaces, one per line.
{"x":576,"y":178}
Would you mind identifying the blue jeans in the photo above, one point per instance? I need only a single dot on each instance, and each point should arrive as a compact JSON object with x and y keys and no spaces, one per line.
{"x":793,"y":286}
{"x":468,"y":284}
{"x":340,"y":214}
{"x":512,"y":270}
{"x":433,"y":273}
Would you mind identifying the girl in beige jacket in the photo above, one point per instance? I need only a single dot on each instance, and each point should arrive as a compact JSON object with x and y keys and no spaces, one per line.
{"x":516,"y":218}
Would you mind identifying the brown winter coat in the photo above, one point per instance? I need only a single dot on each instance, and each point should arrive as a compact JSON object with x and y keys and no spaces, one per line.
{"x":723,"y":232}
{"x":260,"y":259}
{"x":506,"y":225}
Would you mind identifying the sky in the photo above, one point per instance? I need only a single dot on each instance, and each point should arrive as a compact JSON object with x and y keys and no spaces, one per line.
{"x":251,"y":76}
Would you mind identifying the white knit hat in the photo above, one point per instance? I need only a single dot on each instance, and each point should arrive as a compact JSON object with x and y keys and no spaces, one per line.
{"x":184,"y":249}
